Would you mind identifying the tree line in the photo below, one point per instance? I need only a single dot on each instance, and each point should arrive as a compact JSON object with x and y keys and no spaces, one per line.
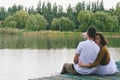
{"x":52,"y":17}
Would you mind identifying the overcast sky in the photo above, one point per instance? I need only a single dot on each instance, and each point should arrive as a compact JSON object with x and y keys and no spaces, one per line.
{"x":28,"y":3}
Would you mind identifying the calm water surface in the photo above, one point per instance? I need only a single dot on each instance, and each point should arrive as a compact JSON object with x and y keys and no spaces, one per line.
{"x":23,"y":64}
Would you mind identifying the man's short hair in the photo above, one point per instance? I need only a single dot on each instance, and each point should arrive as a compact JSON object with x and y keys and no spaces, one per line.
{"x":91,"y":32}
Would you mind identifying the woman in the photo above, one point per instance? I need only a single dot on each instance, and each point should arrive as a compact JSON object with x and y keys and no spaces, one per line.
{"x":104,"y":64}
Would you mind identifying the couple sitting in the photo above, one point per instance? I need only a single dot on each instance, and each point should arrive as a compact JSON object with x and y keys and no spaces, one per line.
{"x":92,"y":57}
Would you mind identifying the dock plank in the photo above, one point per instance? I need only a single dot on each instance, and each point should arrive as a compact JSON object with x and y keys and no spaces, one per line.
{"x":83,"y":77}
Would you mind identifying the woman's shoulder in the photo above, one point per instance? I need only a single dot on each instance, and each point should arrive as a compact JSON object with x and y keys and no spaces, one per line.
{"x":104,"y":48}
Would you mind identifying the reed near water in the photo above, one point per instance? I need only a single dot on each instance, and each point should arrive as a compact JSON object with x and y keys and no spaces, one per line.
{"x":55,"y":39}
{"x":50,"y":39}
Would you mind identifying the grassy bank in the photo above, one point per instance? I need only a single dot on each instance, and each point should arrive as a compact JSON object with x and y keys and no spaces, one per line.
{"x":54,"y":39}
{"x":10,"y":31}
{"x":48,"y":39}
{"x":112,"y":34}
{"x":70,"y":39}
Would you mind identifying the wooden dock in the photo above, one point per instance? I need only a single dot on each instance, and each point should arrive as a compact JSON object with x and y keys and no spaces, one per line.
{"x":81,"y":77}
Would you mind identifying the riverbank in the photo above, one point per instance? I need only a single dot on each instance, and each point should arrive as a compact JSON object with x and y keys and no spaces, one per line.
{"x":37,"y":33}
{"x":19,"y":39}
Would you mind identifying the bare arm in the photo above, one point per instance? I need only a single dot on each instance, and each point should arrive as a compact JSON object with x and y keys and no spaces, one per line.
{"x":83,"y":65}
{"x":96,"y":62}
{"x":76,"y":58}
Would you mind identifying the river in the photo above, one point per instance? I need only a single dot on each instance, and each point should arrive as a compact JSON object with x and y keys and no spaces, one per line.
{"x":23,"y":64}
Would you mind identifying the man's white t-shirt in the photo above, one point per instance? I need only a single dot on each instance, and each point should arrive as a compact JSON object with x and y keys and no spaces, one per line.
{"x":88,"y":51}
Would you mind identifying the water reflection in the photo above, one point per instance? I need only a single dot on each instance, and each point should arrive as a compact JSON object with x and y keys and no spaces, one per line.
{"x":23,"y":64}
{"x":47,"y":41}
{"x":43,"y":41}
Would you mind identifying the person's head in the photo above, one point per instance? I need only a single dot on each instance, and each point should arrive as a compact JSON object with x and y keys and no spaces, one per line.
{"x":100,"y":39}
{"x":91,"y":32}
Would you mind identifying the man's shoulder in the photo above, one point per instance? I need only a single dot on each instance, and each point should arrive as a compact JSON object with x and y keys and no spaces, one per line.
{"x":82,"y":42}
{"x":87,"y":42}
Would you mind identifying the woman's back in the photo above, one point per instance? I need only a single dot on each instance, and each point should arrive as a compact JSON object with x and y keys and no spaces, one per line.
{"x":107,"y":65}
{"x":105,"y":56}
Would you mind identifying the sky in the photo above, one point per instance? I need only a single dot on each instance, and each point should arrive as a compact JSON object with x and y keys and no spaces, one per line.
{"x":29,"y":3}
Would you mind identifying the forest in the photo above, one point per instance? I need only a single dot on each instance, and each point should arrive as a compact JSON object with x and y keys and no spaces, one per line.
{"x":53,"y":17}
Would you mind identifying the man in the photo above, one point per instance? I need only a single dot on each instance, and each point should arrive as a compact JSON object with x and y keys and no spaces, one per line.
{"x":86,"y":52}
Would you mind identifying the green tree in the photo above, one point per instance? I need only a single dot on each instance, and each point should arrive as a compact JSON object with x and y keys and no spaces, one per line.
{"x":88,"y":6}
{"x":72,"y":15}
{"x":43,"y":8}
{"x":1,"y":25}
{"x":115,"y":23}
{"x":31,"y":10}
{"x":118,"y":5}
{"x":20,"y":18}
{"x":62,"y":24}
{"x":111,"y":24}
{"x":49,"y":8}
{"x":39,"y":9}
{"x":36,"y":22}
{"x":80,"y":6}
{"x":60,"y":12}
{"x":9,"y":12}
{"x":7,"y":21}
{"x":14,"y":8}
{"x":55,"y":24}
{"x":19,"y":7}
{"x":101,"y":6}
{"x":84,"y":18}
{"x":12,"y":24}
{"x":54,"y":10}
{"x":2,"y":13}
{"x":70,"y":12}
{"x":66,"y":24}
{"x":117,"y":13}
{"x":60,"y":9}
{"x":94,"y":7}
{"x":104,"y":22}
{"x":98,"y":20}
{"x":49,"y":15}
